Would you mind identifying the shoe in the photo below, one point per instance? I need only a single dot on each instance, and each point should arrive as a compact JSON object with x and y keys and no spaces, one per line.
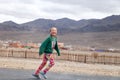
{"x":35,"y":75}
{"x":43,"y":75}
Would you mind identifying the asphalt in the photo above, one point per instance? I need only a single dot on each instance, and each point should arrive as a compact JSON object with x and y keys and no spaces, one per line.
{"x":21,"y":74}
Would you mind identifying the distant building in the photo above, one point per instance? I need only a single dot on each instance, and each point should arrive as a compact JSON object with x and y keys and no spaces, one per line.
{"x":60,"y":45}
{"x":16,"y":45}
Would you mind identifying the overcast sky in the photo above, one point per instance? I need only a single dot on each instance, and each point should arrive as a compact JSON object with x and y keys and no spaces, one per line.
{"x":21,"y":11}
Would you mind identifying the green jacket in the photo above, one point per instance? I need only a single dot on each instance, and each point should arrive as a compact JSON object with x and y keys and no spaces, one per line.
{"x":46,"y":47}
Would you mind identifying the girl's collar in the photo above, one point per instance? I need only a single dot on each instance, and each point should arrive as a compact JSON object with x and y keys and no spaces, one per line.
{"x":53,"y":36}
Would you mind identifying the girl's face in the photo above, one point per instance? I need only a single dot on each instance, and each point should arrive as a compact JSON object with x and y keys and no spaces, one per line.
{"x":53,"y":31}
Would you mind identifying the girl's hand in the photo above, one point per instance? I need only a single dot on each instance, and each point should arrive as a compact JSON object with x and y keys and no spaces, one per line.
{"x":51,"y":56}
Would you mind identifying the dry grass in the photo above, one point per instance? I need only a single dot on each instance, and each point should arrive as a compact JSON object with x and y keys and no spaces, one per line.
{"x":97,"y":39}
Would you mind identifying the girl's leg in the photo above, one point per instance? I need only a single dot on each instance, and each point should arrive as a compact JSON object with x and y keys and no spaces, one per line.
{"x":51,"y":63}
{"x":41,"y":65}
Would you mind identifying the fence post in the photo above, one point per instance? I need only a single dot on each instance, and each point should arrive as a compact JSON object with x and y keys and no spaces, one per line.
{"x":115,"y":61}
{"x":104,"y":59}
{"x":25,"y":53}
{"x":85,"y":59}
{"x":12,"y":52}
{"x":68,"y":56}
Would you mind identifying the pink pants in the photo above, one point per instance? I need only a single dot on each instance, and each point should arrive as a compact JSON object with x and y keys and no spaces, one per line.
{"x":46,"y":57}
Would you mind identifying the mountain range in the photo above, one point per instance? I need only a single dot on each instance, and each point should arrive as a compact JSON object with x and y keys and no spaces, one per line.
{"x":103,"y":33}
{"x":65,"y":25}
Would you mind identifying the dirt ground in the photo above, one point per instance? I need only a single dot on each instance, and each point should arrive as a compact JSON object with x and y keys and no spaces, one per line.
{"x":62,"y":66}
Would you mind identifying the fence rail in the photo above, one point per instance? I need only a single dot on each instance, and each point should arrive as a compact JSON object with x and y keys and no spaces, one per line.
{"x":67,"y":56}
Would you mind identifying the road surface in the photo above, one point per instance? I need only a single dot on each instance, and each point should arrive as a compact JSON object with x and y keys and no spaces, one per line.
{"x":20,"y":74}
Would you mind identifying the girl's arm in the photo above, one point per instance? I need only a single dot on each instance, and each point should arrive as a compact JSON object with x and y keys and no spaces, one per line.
{"x":43,"y":46}
{"x":57,"y":49}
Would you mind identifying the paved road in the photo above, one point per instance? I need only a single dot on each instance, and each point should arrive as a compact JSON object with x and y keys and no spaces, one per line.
{"x":16,"y":74}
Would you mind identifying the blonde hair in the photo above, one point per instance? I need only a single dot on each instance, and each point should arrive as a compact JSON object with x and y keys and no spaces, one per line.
{"x":52,"y":28}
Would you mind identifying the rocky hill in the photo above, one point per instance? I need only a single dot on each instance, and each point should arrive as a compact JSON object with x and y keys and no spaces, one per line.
{"x":92,"y":32}
{"x":110,"y":23}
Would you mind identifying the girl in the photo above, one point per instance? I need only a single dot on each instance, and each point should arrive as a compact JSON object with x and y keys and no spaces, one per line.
{"x":46,"y":49}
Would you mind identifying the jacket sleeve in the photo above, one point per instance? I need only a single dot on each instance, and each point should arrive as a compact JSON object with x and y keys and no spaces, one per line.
{"x":57,"y":49}
{"x":43,"y":46}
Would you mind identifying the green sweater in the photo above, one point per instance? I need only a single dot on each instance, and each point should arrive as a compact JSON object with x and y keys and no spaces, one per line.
{"x":46,"y":46}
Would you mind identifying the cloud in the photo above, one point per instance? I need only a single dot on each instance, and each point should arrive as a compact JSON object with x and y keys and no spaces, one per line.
{"x":25,"y":10}
{"x":78,"y":9}
{"x":94,"y":5}
{"x":19,"y":10}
